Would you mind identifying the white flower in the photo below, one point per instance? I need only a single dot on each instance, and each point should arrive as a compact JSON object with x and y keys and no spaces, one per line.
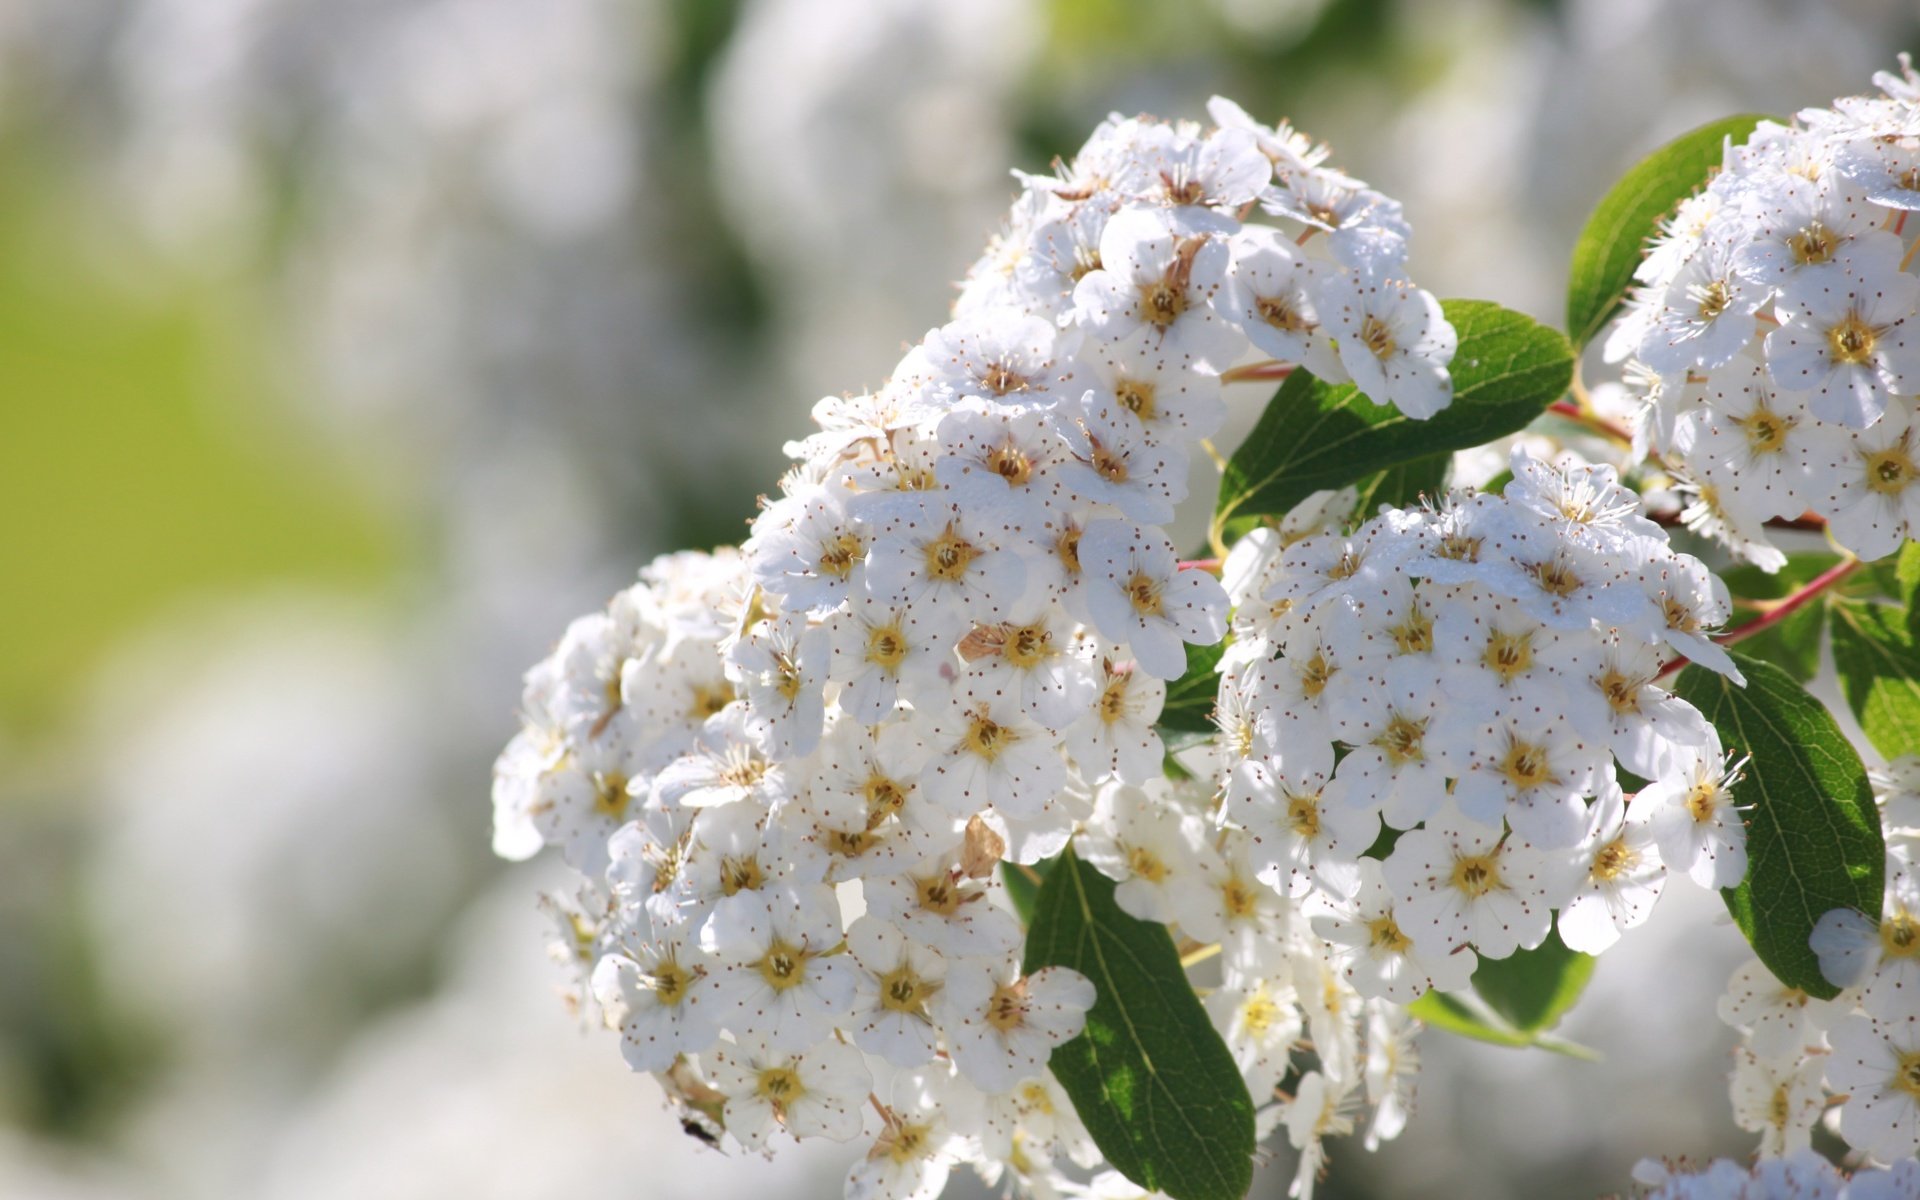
{"x":1779,"y":1100}
{"x":949,"y":555}
{"x":883,"y":653}
{"x":898,"y":978}
{"x":937,"y":904}
{"x":782,"y":663}
{"x":1875,"y":505}
{"x":784,"y":982}
{"x":990,"y":752}
{"x":926,"y":1129}
{"x":1117,"y":736}
{"x":661,"y":999}
{"x":1876,"y":1064}
{"x":1694,"y":821}
{"x":1623,"y":880}
{"x":1319,"y":1110}
{"x":1849,"y":341}
{"x":1157,"y":278}
{"x":1137,"y":594}
{"x":1114,"y":460}
{"x":1272,"y":295}
{"x":1001,"y":1026}
{"x":1393,"y":340}
{"x":1460,"y":883}
{"x":1376,"y":956}
{"x":1779,"y":1020}
{"x":807,"y":549}
{"x":1142,"y":841}
{"x":1260,"y":1022}
{"x":818,"y":1092}
{"x":1032,"y":658}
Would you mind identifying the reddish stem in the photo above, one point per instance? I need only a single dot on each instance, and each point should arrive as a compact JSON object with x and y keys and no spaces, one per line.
{"x":1779,"y":611}
{"x":1594,"y":421}
{"x":1257,"y":371}
{"x":1201,"y":564}
{"x":1807,"y":522}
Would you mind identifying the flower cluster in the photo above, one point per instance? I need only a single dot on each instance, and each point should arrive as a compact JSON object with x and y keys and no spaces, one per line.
{"x":1468,"y":673}
{"x":790,"y":774}
{"x":1776,"y":330}
{"x":1863,"y":1046}
{"x":1803,"y":1175}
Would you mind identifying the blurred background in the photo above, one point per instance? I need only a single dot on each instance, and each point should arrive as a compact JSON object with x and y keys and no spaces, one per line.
{"x":349,"y":347}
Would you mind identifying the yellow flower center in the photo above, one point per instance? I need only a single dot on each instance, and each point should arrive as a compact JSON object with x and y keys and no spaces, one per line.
{"x":1900,"y":936}
{"x":779,"y":1085}
{"x":838,"y":556}
{"x":669,"y":981}
{"x":1476,"y":875}
{"x":1891,"y":471}
{"x":1008,"y":1009}
{"x":1383,"y":933}
{"x":1766,"y":431}
{"x":1377,"y":336}
{"x":1813,"y":245}
{"x":1146,"y":864}
{"x":1526,"y":765}
{"x":784,"y":965}
{"x":1010,"y":463}
{"x":1314,"y":674}
{"x":740,"y":875}
{"x":1622,"y":691}
{"x":949,"y":555}
{"x":886,"y":646}
{"x":1509,"y":655}
{"x":610,"y":798}
{"x":1401,"y":739}
{"x":1303,"y":815}
{"x":1906,"y":1075}
{"x":1028,"y":646}
{"x":1615,"y":859}
{"x":902,"y":991}
{"x":987,"y":738}
{"x":709,"y":698}
{"x":1415,"y":634}
{"x":1279,"y":312}
{"x":1001,"y":379}
{"x":1138,"y":396}
{"x":1851,"y":341}
{"x":937,"y":894}
{"x":1144,"y":592}
{"x":884,"y":797}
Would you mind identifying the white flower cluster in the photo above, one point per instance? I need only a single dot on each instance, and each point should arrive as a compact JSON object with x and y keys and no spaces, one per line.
{"x":1803,"y":1175}
{"x":1468,"y":673}
{"x":790,"y":774}
{"x":1864,"y":1044}
{"x":1776,"y":330}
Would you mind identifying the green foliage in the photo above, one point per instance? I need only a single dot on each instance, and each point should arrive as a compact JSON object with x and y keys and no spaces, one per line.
{"x":1316,"y":435}
{"x":1403,"y":485}
{"x":1615,"y":236}
{"x":1879,"y":667}
{"x":1517,"y":1000}
{"x":1813,"y":835}
{"x":1190,"y":698}
{"x":1151,"y":1079}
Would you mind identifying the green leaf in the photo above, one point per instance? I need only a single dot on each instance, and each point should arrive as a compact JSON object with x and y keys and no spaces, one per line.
{"x":1190,"y":698}
{"x":1534,"y":988}
{"x":1879,"y":668}
{"x":1792,"y":644}
{"x":1152,"y":1081}
{"x":1466,"y":1015}
{"x":1813,"y":835}
{"x":1515,"y":1000}
{"x":1315,"y":435}
{"x":1403,"y":485}
{"x":1022,"y":891}
{"x":1615,"y":237}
